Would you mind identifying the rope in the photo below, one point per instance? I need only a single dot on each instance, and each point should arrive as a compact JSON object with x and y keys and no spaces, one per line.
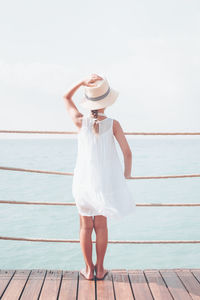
{"x":109,"y":241}
{"x":74,"y":204}
{"x":35,"y":171}
{"x":75,"y":132}
{"x":38,"y":131}
{"x":67,"y":173}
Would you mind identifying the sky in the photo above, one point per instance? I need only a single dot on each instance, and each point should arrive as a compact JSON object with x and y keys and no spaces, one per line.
{"x":148,"y":50}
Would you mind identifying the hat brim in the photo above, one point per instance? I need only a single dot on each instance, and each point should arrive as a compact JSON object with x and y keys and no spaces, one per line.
{"x":107,"y":101}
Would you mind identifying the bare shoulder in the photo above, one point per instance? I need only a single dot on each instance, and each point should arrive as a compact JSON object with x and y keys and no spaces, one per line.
{"x":117,"y":129}
{"x":78,"y":121}
{"x":120,"y":137}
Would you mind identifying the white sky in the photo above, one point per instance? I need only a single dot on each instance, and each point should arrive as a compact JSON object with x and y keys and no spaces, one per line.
{"x":148,"y":50}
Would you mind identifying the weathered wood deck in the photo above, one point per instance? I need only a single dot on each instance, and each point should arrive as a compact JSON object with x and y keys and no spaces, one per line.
{"x":148,"y":284}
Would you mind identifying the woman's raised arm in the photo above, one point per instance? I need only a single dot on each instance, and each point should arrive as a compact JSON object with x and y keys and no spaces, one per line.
{"x":75,"y":114}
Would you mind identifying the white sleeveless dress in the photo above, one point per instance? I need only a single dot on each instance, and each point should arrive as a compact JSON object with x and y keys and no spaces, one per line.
{"x":99,"y":186}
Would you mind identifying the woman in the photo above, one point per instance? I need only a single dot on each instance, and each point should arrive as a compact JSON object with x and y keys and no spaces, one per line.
{"x":99,"y":185}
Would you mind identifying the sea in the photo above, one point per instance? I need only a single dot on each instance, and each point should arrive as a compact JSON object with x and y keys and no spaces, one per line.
{"x":152,"y":156}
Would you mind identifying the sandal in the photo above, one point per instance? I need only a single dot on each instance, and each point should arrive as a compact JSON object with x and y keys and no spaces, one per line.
{"x":103,"y":276}
{"x":86,"y":277}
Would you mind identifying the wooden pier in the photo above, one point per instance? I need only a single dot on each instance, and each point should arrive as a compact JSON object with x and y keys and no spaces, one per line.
{"x":148,"y":284}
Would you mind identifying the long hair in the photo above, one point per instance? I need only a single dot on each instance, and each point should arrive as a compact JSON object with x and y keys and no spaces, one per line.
{"x":96,"y":124}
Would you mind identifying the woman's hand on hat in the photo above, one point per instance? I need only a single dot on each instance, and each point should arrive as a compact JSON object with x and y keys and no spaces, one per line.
{"x":91,"y":79}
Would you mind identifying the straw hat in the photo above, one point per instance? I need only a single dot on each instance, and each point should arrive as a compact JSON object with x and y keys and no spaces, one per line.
{"x":99,"y":96}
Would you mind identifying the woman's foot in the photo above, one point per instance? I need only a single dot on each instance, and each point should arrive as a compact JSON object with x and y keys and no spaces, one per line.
{"x":88,"y":273}
{"x":100,"y":272}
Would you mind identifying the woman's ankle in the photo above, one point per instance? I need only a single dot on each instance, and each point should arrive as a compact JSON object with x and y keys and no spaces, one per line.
{"x":99,"y":266}
{"x":90,"y":267}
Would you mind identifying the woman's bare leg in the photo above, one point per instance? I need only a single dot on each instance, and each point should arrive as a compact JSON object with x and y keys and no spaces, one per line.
{"x":86,"y":227}
{"x":100,"y":227}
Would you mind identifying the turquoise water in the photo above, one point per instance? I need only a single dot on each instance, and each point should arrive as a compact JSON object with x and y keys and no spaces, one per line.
{"x":163,"y":155}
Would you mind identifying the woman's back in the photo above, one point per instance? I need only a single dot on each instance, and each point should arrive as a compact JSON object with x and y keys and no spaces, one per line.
{"x":99,"y":185}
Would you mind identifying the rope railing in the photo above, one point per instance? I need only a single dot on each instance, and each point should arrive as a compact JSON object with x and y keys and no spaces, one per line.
{"x":109,"y":241}
{"x":35,"y":171}
{"x":75,"y":132}
{"x":71,"y":174}
{"x":74,"y":204}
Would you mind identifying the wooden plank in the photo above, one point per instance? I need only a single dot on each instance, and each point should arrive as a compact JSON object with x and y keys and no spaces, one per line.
{"x":33,"y":285}
{"x":148,"y":284}
{"x":86,"y":288}
{"x":139,"y":285}
{"x":190,"y":282}
{"x":69,"y":285}
{"x":174,"y":285}
{"x":157,"y":285}
{"x":51,"y":285}
{"x":122,"y":285}
{"x":196,"y":273}
{"x":16,"y":285}
{"x":105,"y":288}
{"x":5,"y":277}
